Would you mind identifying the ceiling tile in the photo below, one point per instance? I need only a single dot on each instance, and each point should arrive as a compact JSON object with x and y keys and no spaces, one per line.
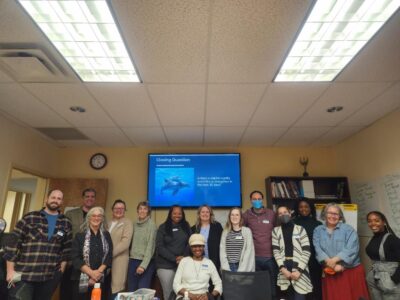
{"x":107,"y":136}
{"x":336,"y":135}
{"x":262,"y":136}
{"x":21,"y":105}
{"x":61,"y":97}
{"x":4,"y":77}
{"x":301,"y":136}
{"x":146,"y":136}
{"x":179,"y":105}
{"x":375,"y":110}
{"x":284,"y":103}
{"x":249,"y":39}
{"x":380,"y":59}
{"x":223,"y":136}
{"x":127,"y":103}
{"x":76,"y":143}
{"x":184,"y":136}
{"x":352,"y":96}
{"x":232,"y":105}
{"x":168,"y":39}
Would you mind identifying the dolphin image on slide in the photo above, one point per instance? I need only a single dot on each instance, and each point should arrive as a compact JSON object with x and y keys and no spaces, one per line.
{"x":174,"y":184}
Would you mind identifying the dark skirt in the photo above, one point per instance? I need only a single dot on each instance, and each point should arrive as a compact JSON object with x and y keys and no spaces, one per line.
{"x":348,"y":285}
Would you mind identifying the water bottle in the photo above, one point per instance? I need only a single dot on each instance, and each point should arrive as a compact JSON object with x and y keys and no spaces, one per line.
{"x":186,"y":296}
{"x":96,"y":292}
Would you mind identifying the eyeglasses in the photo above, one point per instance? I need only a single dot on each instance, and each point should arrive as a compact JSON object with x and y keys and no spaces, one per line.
{"x":332,"y":214}
{"x":119,"y":208}
{"x":254,"y":199}
{"x":97,"y":216}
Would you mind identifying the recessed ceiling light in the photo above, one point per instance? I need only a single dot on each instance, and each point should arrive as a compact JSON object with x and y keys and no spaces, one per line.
{"x":79,"y":109}
{"x":335,"y":31}
{"x":334,"y":109}
{"x":85,"y":33}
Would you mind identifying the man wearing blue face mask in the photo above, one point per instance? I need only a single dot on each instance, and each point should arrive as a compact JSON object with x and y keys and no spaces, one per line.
{"x":261,"y":221}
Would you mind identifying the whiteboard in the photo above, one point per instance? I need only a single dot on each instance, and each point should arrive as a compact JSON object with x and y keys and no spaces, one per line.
{"x":382,"y":194}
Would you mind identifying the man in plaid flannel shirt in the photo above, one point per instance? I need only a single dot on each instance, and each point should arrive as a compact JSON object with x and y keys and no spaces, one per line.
{"x":39,"y":251}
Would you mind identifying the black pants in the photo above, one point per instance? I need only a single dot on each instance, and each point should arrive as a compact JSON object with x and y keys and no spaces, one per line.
{"x":66,"y":284}
{"x":26,"y":290}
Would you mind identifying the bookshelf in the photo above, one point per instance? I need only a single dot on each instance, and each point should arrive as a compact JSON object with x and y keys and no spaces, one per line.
{"x":284,"y":190}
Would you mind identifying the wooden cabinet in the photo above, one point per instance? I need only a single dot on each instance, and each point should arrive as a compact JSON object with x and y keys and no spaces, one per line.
{"x":283,"y":190}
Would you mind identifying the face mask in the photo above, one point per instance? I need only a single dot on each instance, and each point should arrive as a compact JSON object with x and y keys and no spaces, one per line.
{"x":284,"y":219}
{"x":257,"y":204}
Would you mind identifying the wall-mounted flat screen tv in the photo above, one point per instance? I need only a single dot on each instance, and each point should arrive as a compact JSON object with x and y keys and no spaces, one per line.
{"x":191,"y":180}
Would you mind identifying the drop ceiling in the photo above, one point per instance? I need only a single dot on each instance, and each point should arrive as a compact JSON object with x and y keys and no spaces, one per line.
{"x":207,"y":69}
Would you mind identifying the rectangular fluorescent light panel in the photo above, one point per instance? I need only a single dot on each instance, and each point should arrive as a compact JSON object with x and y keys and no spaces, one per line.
{"x":335,"y":31}
{"x":85,"y":33}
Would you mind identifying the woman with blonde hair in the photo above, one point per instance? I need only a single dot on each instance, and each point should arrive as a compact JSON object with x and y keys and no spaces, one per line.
{"x":237,"y":248}
{"x":91,"y":256}
{"x":211,"y":230}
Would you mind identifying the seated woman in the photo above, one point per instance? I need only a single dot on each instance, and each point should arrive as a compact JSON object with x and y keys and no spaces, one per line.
{"x":194,"y":273}
{"x":237,"y":248}
{"x":337,"y":248}
{"x":383,"y":249}
{"x":291,"y":249}
{"x":91,"y":256}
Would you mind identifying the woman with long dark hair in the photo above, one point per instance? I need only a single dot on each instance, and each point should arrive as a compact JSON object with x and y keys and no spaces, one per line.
{"x":291,"y":249}
{"x":171,"y":246}
{"x":384,"y":277}
{"x":305,"y":216}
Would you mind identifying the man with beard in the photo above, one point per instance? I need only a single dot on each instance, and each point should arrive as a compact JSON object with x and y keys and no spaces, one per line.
{"x":39,"y":251}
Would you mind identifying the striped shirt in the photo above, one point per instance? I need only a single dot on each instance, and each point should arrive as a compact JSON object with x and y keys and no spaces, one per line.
{"x":34,"y":255}
{"x":234,"y":246}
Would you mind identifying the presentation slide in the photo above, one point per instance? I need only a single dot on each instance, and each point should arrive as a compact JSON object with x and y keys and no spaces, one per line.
{"x":191,"y":180}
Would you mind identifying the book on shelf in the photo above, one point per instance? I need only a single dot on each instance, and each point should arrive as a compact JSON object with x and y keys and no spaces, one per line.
{"x":307,"y":188}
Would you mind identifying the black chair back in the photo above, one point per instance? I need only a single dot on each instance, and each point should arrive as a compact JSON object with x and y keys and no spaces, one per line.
{"x":246,"y":285}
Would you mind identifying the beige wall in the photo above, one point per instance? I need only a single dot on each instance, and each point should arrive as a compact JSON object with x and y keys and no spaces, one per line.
{"x":371,"y":154}
{"x":127,"y":169}
{"x":22,"y":148}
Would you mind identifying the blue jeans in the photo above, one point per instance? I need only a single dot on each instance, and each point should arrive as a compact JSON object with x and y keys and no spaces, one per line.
{"x":136,"y":281}
{"x":26,"y":290}
{"x":268,"y":264}
{"x":234,"y":267}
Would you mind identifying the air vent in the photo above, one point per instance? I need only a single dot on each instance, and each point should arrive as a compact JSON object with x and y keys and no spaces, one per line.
{"x":30,"y":65}
{"x":62,"y":133}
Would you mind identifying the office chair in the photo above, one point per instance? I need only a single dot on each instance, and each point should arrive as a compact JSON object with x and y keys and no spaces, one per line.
{"x":246,"y":285}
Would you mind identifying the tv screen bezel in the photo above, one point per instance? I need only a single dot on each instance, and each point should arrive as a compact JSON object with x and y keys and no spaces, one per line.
{"x":191,"y":153}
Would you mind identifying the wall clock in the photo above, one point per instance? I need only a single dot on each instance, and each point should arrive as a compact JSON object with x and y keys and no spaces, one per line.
{"x":98,"y":161}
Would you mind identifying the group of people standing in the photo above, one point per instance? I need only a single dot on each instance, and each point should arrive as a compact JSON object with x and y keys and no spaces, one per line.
{"x":306,"y":259}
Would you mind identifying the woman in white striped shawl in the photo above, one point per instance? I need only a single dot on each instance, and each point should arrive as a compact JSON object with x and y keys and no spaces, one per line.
{"x":291,"y":249}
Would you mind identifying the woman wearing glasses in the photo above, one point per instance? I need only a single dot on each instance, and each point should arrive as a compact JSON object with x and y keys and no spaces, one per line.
{"x":121,"y":234}
{"x":337,"y":249}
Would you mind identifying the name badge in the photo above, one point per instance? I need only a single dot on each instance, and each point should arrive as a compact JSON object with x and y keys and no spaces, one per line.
{"x":296,"y":236}
{"x":265,"y":221}
{"x":239,"y":237}
{"x":60,"y":233}
{"x":174,"y":229}
{"x":204,"y":267}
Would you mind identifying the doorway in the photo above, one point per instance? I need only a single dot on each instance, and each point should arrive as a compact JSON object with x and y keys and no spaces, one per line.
{"x":26,"y":192}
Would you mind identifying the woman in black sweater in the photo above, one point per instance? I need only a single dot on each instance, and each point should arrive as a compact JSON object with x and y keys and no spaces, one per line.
{"x":383,"y":249}
{"x":305,"y":216}
{"x":211,"y":231}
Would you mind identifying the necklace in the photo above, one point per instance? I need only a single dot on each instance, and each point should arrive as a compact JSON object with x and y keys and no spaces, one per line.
{"x":197,"y":267}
